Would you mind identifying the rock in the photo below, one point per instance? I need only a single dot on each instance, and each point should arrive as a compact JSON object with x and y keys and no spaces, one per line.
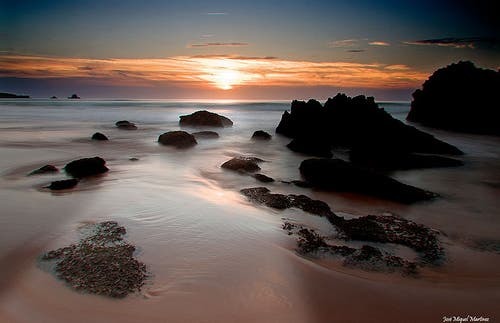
{"x":459,"y":97}
{"x":53,"y":97}
{"x":353,"y":123}
{"x":338,"y":175}
{"x":302,"y":184}
{"x":73,"y":97}
{"x":263,"y":178}
{"x":125,"y":125}
{"x":205,"y":119}
{"x":206,"y":134}
{"x":389,"y":161}
{"x":99,"y":136}
{"x":86,"y":167}
{"x":4,"y":95}
{"x":44,"y":170}
{"x":133,"y":159}
{"x":63,"y":184}
{"x":100,"y":263}
{"x":178,"y":139}
{"x":261,"y":135}
{"x":243,"y":164}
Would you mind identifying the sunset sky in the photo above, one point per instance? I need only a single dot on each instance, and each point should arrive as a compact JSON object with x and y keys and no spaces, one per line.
{"x":239,"y":50}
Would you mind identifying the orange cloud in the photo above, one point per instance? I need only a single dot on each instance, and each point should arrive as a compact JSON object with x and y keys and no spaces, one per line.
{"x":223,"y":71}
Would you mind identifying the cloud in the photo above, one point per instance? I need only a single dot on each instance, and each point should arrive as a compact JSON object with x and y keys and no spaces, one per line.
{"x":343,"y":43}
{"x":218,"y":44}
{"x":379,"y":43}
{"x":456,"y":42}
{"x":212,"y":71}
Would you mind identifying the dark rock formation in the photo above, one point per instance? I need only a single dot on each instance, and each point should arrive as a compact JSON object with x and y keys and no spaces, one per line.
{"x":100,"y":263}
{"x":355,"y":123}
{"x":379,"y":160}
{"x":206,"y":134}
{"x":63,"y":184}
{"x":44,"y":170}
{"x":338,"y":175}
{"x":243,"y":164}
{"x":99,"y":136}
{"x":4,"y":95}
{"x":459,"y":97}
{"x":205,"y":119}
{"x":86,"y":167}
{"x":311,"y":146}
{"x":261,"y":135}
{"x":125,"y":125}
{"x":178,"y":139}
{"x":74,"y":96}
{"x":263,"y":178}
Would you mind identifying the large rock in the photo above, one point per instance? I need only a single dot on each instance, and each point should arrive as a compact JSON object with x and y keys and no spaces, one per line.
{"x":205,"y":119}
{"x":243,"y":164}
{"x":125,"y":125}
{"x":355,"y":123}
{"x":338,"y":175}
{"x":86,"y":167}
{"x":178,"y":139}
{"x":459,"y":97}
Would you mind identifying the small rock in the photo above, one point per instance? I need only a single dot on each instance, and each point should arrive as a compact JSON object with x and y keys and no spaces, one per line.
{"x":206,"y":134}
{"x":178,"y":139}
{"x":261,"y":135}
{"x":86,"y":167}
{"x":99,"y":136}
{"x":44,"y":170}
{"x":63,"y":184}
{"x":263,"y":178}
{"x":242,"y":164}
{"x":125,"y":125}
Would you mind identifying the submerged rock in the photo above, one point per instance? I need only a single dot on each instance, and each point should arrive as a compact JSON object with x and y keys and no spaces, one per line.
{"x":178,"y":139}
{"x":263,"y":178}
{"x":261,"y":135}
{"x":205,"y":118}
{"x":243,"y":164}
{"x":63,"y":184}
{"x":459,"y":97}
{"x":47,"y":169}
{"x":354,"y":123}
{"x":99,"y":136}
{"x":206,"y":134}
{"x":338,"y":175}
{"x":125,"y":125}
{"x":86,"y":167}
{"x":100,"y":263}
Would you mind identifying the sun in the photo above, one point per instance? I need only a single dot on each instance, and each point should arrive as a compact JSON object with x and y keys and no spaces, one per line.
{"x":225,"y":79}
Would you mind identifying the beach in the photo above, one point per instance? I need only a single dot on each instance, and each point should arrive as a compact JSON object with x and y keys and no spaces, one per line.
{"x":212,"y":255}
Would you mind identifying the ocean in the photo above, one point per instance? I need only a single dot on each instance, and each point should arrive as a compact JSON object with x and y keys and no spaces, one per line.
{"x":212,"y":255}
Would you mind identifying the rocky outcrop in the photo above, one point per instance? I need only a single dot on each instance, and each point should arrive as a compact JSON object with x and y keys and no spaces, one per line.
{"x":86,"y":167}
{"x":338,"y":175}
{"x":205,"y":119}
{"x":63,"y":184}
{"x":243,"y":164}
{"x":177,"y":139}
{"x":206,"y":134}
{"x":355,"y":123}
{"x":261,"y":135}
{"x":459,"y":97}
{"x":99,"y":136}
{"x":47,"y":169}
{"x":125,"y":125}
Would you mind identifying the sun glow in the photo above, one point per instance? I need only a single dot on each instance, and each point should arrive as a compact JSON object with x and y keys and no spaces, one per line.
{"x":226,"y":79}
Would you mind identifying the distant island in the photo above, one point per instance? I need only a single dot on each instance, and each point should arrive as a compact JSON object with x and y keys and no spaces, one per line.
{"x":74,"y":96}
{"x":13,"y":96}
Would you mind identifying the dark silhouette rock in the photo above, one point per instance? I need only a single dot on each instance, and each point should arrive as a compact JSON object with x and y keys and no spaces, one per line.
{"x":47,"y":169}
{"x":125,"y":125}
{"x":459,"y":97}
{"x":178,"y":139}
{"x":86,"y":167}
{"x":206,"y":134}
{"x":53,"y":97}
{"x":380,"y":160}
{"x":99,"y":136}
{"x":243,"y":164}
{"x":261,"y":135}
{"x":263,"y":178}
{"x":63,"y":184}
{"x":354,"y":123}
{"x":73,"y":97}
{"x":338,"y":175}
{"x":205,"y":119}
{"x":4,"y":95}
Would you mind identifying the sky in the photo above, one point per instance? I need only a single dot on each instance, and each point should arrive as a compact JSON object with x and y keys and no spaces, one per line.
{"x":255,"y":49}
